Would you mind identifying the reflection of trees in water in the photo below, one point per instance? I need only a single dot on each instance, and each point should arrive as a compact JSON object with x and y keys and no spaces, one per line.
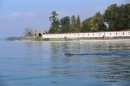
{"x":110,"y":46}
{"x":111,"y":68}
{"x":98,"y":46}
{"x":54,"y":46}
{"x":36,"y":46}
{"x":114,"y":69}
{"x":75,"y":47}
{"x":118,"y":46}
{"x":57,"y":47}
{"x":65,"y":47}
{"x":40,"y":46}
{"x":84,"y":47}
{"x":29,"y":45}
{"x":115,"y":46}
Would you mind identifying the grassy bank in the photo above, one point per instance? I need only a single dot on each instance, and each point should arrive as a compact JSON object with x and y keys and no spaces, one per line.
{"x":44,"y":39}
{"x":74,"y":39}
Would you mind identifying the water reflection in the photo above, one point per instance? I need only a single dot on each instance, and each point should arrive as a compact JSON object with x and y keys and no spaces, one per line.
{"x":107,"y":63}
{"x":87,"y":47}
{"x":110,"y":66}
{"x":65,"y":46}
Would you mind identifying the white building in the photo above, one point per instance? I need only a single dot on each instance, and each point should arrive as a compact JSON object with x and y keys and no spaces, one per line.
{"x":89,"y":35}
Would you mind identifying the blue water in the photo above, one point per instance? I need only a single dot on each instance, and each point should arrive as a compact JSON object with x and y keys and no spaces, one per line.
{"x":44,"y":63}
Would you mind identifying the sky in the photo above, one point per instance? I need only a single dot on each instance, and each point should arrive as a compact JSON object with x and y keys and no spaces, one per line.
{"x":17,"y":15}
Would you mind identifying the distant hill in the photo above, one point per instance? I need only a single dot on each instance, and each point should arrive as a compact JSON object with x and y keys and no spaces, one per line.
{"x":14,"y":38}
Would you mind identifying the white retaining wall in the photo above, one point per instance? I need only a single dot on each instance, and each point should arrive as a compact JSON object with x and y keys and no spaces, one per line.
{"x":89,"y":35}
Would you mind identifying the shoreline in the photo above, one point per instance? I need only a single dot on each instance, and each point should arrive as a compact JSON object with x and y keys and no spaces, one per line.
{"x":82,"y":40}
{"x":105,"y":40}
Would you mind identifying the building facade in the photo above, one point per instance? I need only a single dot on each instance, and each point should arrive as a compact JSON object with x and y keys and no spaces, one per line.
{"x":39,"y":33}
{"x":116,"y":34}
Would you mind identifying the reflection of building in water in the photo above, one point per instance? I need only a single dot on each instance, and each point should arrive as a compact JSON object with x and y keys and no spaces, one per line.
{"x":39,"y":33}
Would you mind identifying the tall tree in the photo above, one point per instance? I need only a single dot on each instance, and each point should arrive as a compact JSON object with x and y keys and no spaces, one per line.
{"x":73,"y":21}
{"x":94,"y":23}
{"x":127,"y":15}
{"x":55,"y":23}
{"x":118,"y":17}
{"x":65,"y":24}
{"x":74,"y":24}
{"x":78,"y":24}
{"x":124,"y":17}
{"x":86,"y":25}
{"x":97,"y":23}
{"x":111,"y":16}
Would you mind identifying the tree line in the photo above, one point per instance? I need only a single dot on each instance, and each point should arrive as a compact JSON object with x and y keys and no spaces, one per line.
{"x":115,"y":18}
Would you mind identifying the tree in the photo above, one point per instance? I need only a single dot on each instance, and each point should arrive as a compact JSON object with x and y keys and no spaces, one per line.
{"x":111,"y":17}
{"x":75,"y":24}
{"x":97,"y":23}
{"x":73,"y":21}
{"x":78,"y":24}
{"x":118,"y":17}
{"x":124,"y":17}
{"x":55,"y":23}
{"x":86,"y":25}
{"x":127,"y":15}
{"x":65,"y":24}
{"x":28,"y":32}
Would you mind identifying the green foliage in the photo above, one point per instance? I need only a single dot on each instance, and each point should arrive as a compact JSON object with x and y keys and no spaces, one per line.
{"x":32,"y":39}
{"x":86,"y":25}
{"x":97,"y":23}
{"x":115,"y":17}
{"x":46,"y":39}
{"x":125,"y":16}
{"x":110,"y":16}
{"x":78,"y":24}
{"x":64,"y":24}
{"x":53,"y":30}
{"x":118,"y":17}
{"x":55,"y":23}
{"x":73,"y":22}
{"x":93,"y":24}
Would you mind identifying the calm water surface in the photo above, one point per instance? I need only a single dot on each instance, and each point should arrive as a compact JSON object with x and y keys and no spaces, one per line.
{"x":43,"y":63}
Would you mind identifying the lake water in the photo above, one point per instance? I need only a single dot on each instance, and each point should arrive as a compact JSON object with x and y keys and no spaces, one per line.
{"x":106,"y":63}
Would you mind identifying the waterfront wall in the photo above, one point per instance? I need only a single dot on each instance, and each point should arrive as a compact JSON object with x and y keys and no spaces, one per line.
{"x":89,"y":35}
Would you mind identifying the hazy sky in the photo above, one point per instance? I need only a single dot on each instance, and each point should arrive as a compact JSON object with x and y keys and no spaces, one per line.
{"x":17,"y":15}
